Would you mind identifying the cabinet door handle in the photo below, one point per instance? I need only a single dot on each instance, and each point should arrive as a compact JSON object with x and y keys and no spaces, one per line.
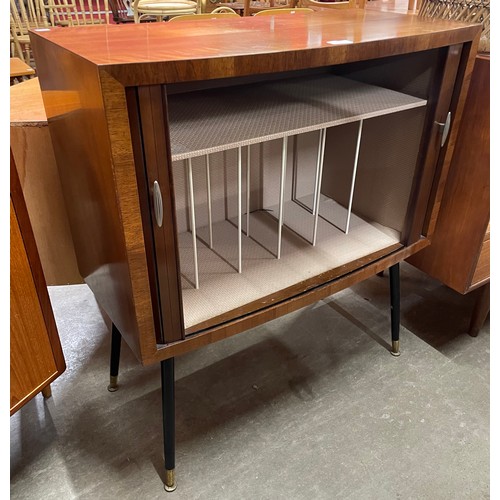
{"x":158,"y":204}
{"x":446,"y":128}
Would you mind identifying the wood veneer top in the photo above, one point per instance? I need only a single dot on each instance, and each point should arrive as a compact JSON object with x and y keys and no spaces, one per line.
{"x":20,"y":68}
{"x":26,"y":104}
{"x":110,"y":45}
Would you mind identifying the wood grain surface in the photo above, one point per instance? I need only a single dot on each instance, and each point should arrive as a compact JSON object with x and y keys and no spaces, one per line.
{"x":26,"y":104}
{"x":20,"y":68}
{"x":84,"y":77}
{"x":36,"y":357}
{"x":459,"y":254}
{"x":36,"y":165}
{"x":153,"y":53}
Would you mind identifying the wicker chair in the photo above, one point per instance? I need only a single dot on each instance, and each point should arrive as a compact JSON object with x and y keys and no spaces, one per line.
{"x":276,"y":12}
{"x":121,"y":11}
{"x":211,"y":5}
{"x":216,"y":14}
{"x":468,"y":11}
{"x":224,"y":9}
{"x":253,"y":6}
{"x":341,"y":4}
{"x":76,"y":12}
{"x":163,"y":9}
{"x":24,"y":15}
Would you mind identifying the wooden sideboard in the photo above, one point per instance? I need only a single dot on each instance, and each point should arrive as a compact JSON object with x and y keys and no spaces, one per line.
{"x":19,"y":70}
{"x":36,"y":357}
{"x":36,"y":165}
{"x":218,"y":175}
{"x":459,"y":255}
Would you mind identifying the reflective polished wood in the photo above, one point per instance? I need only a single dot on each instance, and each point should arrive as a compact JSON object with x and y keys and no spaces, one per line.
{"x":34,"y":156}
{"x":20,"y":68}
{"x":459,"y":256}
{"x":168,"y":52}
{"x":97,"y":85}
{"x":36,"y":357}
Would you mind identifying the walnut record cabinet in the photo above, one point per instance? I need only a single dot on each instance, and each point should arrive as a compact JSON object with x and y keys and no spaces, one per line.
{"x":219,"y":174}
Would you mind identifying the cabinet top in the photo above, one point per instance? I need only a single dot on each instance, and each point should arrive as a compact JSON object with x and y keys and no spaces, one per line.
{"x":227,"y":47}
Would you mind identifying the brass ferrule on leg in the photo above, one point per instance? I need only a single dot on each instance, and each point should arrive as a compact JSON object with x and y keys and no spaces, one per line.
{"x":113,"y":383}
{"x":170,"y":480}
{"x":395,"y":348}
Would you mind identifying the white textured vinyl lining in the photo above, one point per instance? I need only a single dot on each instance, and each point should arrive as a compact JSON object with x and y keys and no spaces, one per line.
{"x":219,"y":119}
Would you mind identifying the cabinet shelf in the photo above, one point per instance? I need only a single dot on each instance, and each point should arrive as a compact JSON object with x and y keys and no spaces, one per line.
{"x":209,"y":121}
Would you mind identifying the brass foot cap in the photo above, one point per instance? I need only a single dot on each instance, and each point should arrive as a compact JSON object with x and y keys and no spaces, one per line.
{"x":170,"y":484}
{"x":395,"y":348}
{"x":113,"y":384}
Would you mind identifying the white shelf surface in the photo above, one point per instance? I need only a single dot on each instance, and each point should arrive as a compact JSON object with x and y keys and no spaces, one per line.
{"x":214,"y":120}
{"x":223,"y":289}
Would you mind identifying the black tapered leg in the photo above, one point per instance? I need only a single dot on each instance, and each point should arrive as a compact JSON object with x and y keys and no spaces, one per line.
{"x":395,"y":307}
{"x":114,"y":362}
{"x":168,"y":404}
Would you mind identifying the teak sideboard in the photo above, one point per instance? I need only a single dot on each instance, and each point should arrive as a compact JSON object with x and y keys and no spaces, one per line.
{"x":219,"y":174}
{"x":36,"y":356}
{"x":459,"y":256}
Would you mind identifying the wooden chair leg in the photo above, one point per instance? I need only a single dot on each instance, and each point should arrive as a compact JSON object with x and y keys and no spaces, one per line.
{"x":47,"y":391}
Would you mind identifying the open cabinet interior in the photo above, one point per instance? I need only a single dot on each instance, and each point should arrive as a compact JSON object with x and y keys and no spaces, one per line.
{"x":280,"y":181}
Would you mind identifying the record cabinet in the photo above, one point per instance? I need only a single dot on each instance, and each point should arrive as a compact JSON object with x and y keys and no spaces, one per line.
{"x":219,"y":174}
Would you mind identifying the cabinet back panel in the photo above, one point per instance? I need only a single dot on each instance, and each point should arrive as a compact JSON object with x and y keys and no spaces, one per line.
{"x":387,"y":163}
{"x":411,"y":74}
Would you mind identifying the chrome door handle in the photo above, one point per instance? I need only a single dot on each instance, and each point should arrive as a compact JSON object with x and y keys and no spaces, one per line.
{"x":158,"y":204}
{"x":446,"y":128}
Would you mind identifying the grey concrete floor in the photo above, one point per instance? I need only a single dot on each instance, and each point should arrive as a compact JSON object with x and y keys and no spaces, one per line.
{"x":309,"y":406}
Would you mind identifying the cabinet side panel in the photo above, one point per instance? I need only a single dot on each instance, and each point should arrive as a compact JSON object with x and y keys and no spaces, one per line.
{"x":79,"y":131}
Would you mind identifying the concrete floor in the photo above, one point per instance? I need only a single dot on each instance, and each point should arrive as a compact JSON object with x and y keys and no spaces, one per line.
{"x":310,"y":406}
